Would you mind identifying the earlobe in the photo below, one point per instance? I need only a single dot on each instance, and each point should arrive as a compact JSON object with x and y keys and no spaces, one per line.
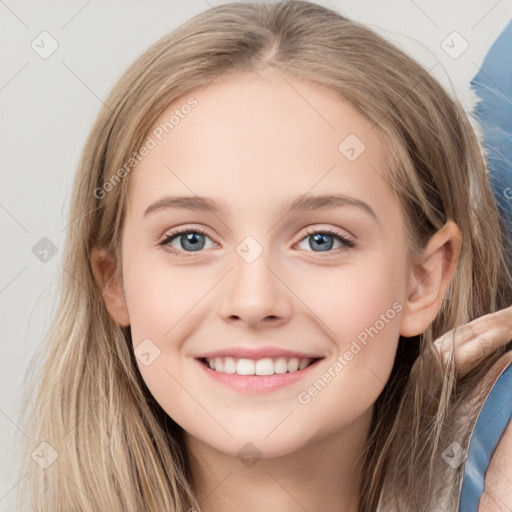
{"x":429,"y":279}
{"x":103,"y":267}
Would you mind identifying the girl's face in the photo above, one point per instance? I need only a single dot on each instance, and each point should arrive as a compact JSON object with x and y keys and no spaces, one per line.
{"x":326,"y":279}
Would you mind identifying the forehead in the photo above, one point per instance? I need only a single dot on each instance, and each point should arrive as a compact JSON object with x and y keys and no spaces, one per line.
{"x":252,"y":139}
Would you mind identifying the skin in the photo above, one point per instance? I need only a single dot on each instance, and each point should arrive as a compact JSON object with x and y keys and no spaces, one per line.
{"x":254,"y":143}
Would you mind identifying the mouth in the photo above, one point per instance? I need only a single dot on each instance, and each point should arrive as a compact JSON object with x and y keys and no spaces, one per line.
{"x":255,"y":376}
{"x":258,"y":367}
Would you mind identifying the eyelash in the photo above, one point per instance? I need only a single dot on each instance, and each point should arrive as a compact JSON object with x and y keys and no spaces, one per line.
{"x":348,"y":244}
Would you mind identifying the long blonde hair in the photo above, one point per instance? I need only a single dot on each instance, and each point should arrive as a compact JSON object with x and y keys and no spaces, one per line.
{"x":116,"y":449}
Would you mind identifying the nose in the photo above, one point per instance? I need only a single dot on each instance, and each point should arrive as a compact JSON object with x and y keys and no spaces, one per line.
{"x":255,"y":294}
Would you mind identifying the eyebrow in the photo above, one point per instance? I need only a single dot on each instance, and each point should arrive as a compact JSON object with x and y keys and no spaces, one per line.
{"x":306,"y":202}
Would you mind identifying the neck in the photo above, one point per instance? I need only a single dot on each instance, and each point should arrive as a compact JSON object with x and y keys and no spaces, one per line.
{"x":324,"y":474}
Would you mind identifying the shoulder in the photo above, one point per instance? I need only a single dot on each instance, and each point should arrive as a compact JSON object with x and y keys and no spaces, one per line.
{"x":497,"y":495}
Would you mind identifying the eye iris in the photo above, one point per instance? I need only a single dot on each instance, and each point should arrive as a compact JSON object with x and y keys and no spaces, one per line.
{"x":323,"y":245}
{"x":192,"y":239}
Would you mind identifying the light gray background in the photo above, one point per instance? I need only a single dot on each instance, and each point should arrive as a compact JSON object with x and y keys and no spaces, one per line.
{"x":48,"y":106}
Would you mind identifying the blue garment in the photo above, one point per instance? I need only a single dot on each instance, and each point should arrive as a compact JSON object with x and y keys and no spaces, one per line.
{"x":491,"y":423}
{"x":493,"y":84}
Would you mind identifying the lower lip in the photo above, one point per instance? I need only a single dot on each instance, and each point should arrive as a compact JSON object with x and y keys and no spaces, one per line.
{"x":257,"y":383}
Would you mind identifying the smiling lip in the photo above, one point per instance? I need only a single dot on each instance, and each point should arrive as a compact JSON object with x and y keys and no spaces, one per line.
{"x":255,"y":384}
{"x":257,"y":353}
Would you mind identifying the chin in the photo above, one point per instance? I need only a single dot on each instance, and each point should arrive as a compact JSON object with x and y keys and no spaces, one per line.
{"x":255,"y":443}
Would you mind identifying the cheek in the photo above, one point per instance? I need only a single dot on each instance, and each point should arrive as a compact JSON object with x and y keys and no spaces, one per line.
{"x":160,"y":298}
{"x":360,"y":313}
{"x":166,"y":305}
{"x":365,"y":321}
{"x":162,"y":304}
{"x":346,"y":301}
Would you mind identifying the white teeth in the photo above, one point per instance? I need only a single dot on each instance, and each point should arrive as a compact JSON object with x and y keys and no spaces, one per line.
{"x":243,"y":367}
{"x":229,"y":365}
{"x":303,"y":364}
{"x":293,"y":364}
{"x":281,"y":365}
{"x":265,"y":366}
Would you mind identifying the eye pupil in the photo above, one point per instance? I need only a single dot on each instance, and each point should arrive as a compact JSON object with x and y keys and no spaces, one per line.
{"x":320,"y":239}
{"x":192,"y":239}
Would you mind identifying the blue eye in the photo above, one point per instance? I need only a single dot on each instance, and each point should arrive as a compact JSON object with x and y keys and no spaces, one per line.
{"x":193,"y":240}
{"x":324,"y":240}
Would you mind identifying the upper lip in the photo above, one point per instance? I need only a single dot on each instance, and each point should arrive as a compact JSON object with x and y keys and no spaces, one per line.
{"x":257,"y":353}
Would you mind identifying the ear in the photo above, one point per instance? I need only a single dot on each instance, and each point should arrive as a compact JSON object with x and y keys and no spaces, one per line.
{"x":429,"y":279}
{"x":103,"y":267}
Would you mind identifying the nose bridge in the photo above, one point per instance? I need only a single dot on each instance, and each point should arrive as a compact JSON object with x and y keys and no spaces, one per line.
{"x":254,"y":291}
